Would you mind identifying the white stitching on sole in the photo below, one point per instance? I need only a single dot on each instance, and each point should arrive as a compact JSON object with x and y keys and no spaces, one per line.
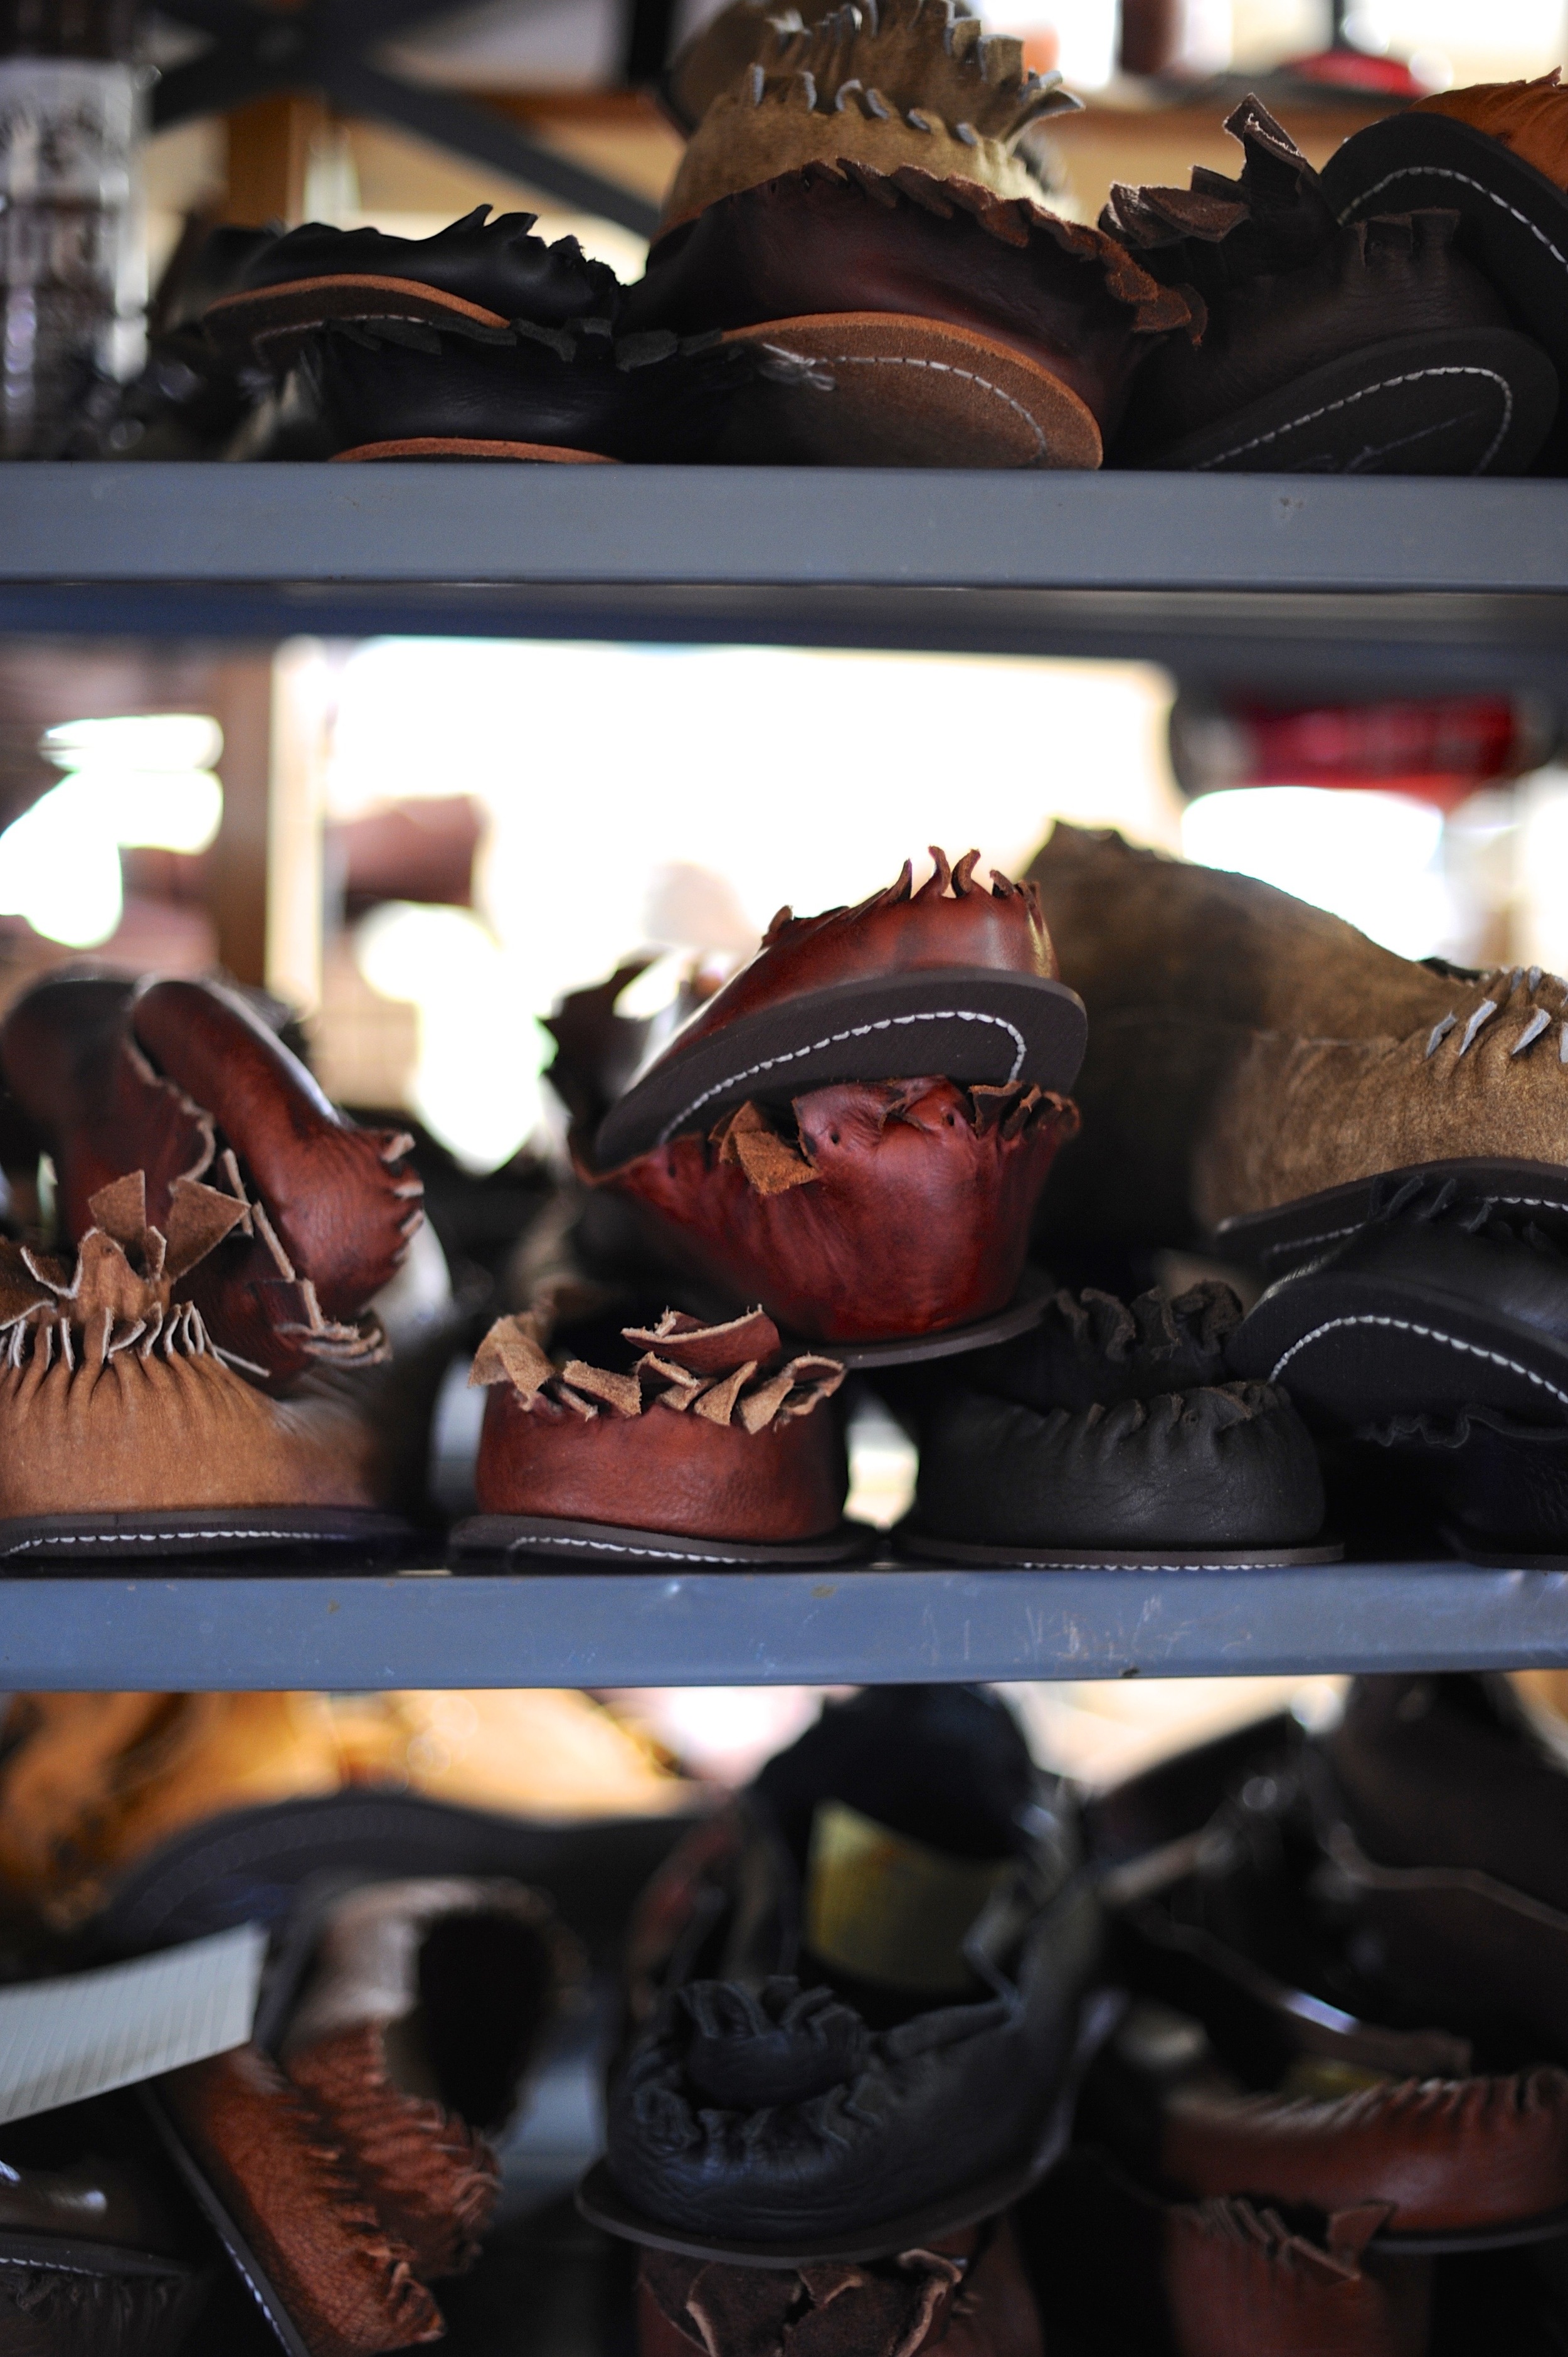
{"x":1409,"y":376}
{"x":610,"y":1546}
{"x":836,"y":1038}
{"x":1429,"y":1334}
{"x":942,"y":368}
{"x":148,"y":1538}
{"x":1445,"y":172}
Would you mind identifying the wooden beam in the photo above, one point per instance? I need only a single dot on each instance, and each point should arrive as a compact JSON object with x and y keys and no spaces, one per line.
{"x":270,"y":145}
{"x":241,"y":702}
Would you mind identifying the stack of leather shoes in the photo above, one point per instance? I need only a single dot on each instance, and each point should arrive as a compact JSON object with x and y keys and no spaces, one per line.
{"x":854,"y":2005}
{"x":836,"y":1158}
{"x":191,"y":1361}
{"x":854,"y":193}
{"x":1432,"y":1345}
{"x":1309,"y":2132}
{"x":856,"y":268}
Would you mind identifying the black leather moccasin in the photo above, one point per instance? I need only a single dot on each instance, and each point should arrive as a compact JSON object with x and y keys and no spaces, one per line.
{"x":856,"y":2001}
{"x":477,"y":272}
{"x":1442,"y":1804}
{"x":1425,"y":1312}
{"x":391,"y":388}
{"x":1114,"y":1434}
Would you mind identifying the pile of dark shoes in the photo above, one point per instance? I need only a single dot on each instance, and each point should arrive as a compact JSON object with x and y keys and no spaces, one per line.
{"x":1375,"y":1148}
{"x":907,"y":2047}
{"x":1333,"y":2115}
{"x":859,"y":263}
{"x":824,"y":1181}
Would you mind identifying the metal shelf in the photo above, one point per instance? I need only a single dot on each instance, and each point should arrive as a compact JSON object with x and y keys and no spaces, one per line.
{"x":772,"y":1628}
{"x":1269,"y":577}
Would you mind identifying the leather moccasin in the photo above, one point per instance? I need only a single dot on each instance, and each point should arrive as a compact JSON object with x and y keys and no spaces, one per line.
{"x":854,"y":2001}
{"x":1370,"y":347}
{"x":1242,"y":2071}
{"x":385,"y":390}
{"x":344,"y":2173}
{"x":855,"y":196}
{"x":199,"y":1352}
{"x":1423,"y":1311}
{"x":887,"y":1217}
{"x":182,"y":1080}
{"x":1123,"y":2269}
{"x":1494,"y":1485}
{"x":478,"y":274}
{"x":1110,"y":1434}
{"x":99,"y":2248}
{"x":703,"y":1444}
{"x":1255,"y":1064}
{"x":969,"y":2298}
{"x":953,"y":978}
{"x":1497,"y":155}
{"x":1443,"y":1806}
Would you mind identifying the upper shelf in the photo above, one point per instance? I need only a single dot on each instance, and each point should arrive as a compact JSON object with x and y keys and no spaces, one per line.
{"x":1265,"y":577}
{"x":771,"y":1627}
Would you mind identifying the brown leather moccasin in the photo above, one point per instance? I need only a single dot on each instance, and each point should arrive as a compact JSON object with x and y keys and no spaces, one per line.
{"x":954,"y":978}
{"x":1124,"y":2270}
{"x":865,"y":1215}
{"x":968,"y":2297}
{"x":1372,"y":347}
{"x":443,"y":1985}
{"x":705,"y":1444}
{"x":182,"y":1080}
{"x":348,"y":2172}
{"x":1255,"y":1065}
{"x":199,"y":1350}
{"x":856,"y":196}
{"x":114,"y":1399}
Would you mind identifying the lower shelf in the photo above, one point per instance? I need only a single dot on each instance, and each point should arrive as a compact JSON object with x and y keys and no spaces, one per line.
{"x":772,"y":1628}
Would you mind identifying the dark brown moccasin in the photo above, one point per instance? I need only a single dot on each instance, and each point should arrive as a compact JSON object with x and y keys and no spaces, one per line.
{"x":968,"y":2296}
{"x":1123,"y":2269}
{"x":855,"y":197}
{"x":1372,"y":347}
{"x":1496,"y":154}
{"x":346,"y":2171}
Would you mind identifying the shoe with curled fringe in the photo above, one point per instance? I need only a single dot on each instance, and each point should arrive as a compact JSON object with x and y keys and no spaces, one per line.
{"x":701,"y":1431}
{"x":478,"y":275}
{"x":113,"y":1394}
{"x":1372,"y":348}
{"x":908,"y":81}
{"x":181,"y":1082}
{"x":955,"y":977}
